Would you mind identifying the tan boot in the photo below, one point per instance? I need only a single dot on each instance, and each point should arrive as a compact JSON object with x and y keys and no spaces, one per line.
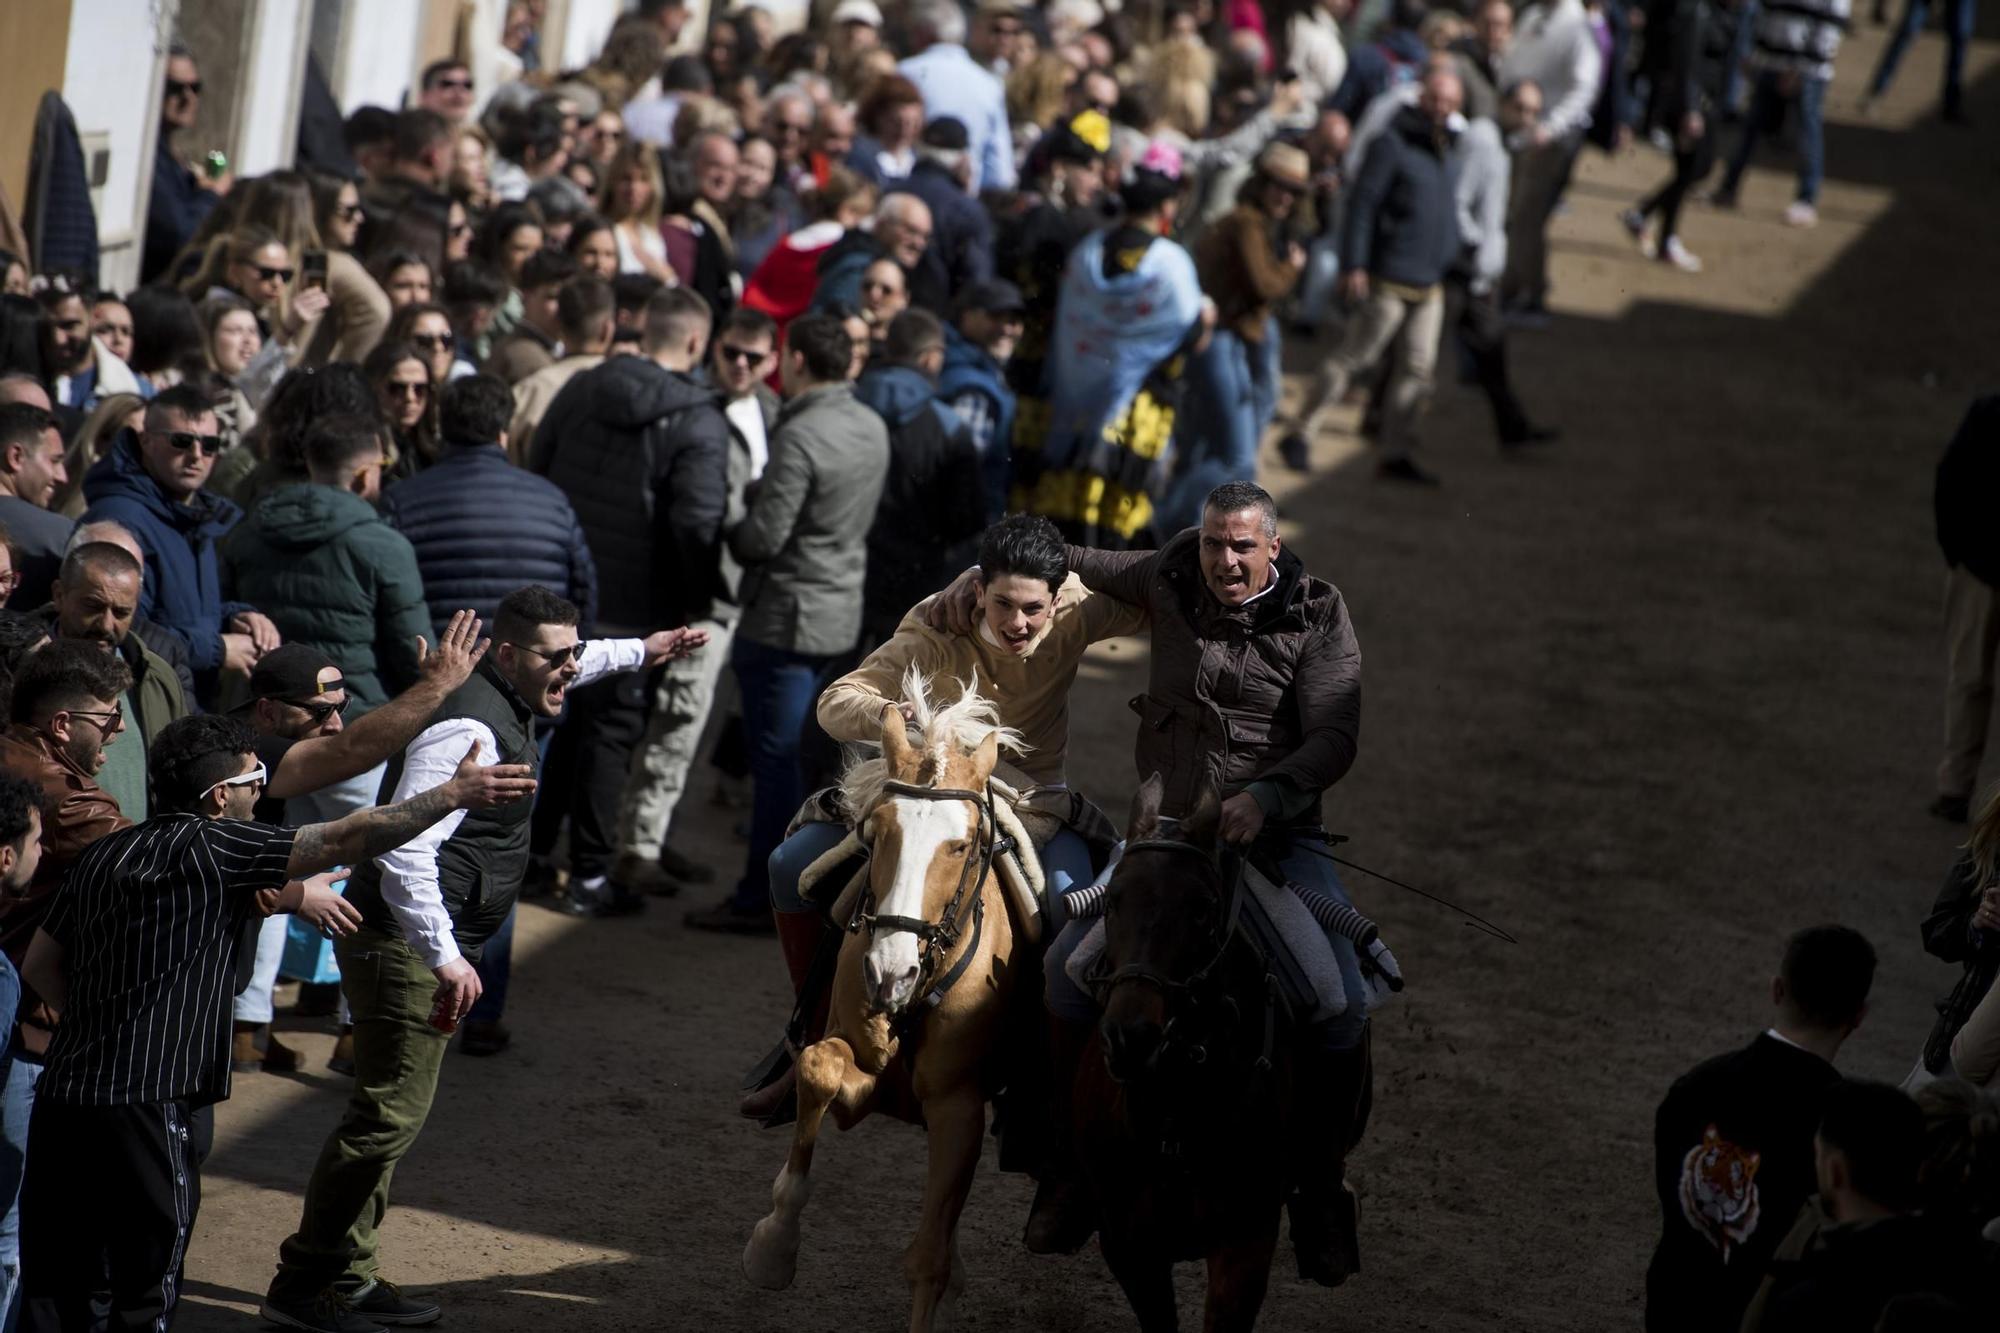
{"x":246,"y":1054}
{"x":278,"y":1057}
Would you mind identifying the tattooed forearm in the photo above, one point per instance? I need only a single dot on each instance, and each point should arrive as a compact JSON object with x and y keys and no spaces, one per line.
{"x":367,"y":833}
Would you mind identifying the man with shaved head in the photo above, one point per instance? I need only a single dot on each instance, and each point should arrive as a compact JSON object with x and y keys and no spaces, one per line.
{"x":1400,"y":239}
{"x":169,"y":648}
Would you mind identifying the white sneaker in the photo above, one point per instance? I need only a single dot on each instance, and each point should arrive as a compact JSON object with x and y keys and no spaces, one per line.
{"x":1673,"y":252}
{"x":1801,"y":214}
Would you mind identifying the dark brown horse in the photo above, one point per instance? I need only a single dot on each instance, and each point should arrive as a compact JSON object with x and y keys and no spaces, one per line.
{"x":1186,"y":1122}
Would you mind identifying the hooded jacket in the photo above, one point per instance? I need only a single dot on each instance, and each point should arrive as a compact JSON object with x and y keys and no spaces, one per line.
{"x":338,"y":577}
{"x":642,"y":452}
{"x":933,"y":505}
{"x":840,"y":268}
{"x":482,"y":527}
{"x":974,"y":386}
{"x":182,"y":590}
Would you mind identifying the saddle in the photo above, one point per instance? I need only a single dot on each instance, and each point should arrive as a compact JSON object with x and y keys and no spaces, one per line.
{"x":1288,"y":933}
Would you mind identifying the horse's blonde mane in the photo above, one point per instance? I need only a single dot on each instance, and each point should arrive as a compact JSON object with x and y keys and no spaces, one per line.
{"x":939,"y":733}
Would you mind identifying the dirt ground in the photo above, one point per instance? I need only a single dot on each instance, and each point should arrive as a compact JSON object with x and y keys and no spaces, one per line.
{"x":1651,"y":698}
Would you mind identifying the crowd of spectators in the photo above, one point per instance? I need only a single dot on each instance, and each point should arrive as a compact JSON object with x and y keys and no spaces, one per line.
{"x":755,"y":334}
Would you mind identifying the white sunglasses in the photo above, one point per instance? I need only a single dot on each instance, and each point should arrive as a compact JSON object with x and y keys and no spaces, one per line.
{"x":255,"y":777}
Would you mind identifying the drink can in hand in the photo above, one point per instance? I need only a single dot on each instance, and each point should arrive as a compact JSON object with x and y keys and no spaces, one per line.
{"x":441,"y":1016}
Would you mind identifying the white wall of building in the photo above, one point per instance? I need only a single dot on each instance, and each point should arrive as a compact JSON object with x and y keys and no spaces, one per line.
{"x":112,"y":82}
{"x":375,"y":61}
{"x":585,"y":25}
{"x":267,"y":119}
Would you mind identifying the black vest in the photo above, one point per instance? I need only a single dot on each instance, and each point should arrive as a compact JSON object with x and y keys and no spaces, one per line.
{"x":481,"y":864}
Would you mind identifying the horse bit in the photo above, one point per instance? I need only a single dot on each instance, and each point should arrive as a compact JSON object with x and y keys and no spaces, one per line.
{"x":940,"y":937}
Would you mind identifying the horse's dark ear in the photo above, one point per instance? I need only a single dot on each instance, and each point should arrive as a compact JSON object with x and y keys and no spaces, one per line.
{"x":1145,"y":820}
{"x":1202,"y":822}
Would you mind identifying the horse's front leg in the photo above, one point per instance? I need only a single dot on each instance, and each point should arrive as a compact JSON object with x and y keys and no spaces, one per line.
{"x":1238,"y":1274}
{"x":1145,"y":1273}
{"x":827,"y":1077}
{"x":957,"y":1127}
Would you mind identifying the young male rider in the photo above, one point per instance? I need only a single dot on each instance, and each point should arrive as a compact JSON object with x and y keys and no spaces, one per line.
{"x":1034,"y":620}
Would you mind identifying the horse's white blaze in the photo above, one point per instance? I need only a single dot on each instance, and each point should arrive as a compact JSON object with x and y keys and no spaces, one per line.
{"x":891,"y":965}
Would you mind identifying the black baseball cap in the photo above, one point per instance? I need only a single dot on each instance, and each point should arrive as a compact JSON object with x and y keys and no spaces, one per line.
{"x":995,"y":295}
{"x":948,"y":133}
{"x":291,"y":671}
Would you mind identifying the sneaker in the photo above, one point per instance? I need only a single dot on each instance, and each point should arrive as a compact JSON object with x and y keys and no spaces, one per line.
{"x":726,"y":918}
{"x":1296,"y":453}
{"x":1635,"y":222}
{"x":1682,"y":258}
{"x":605,"y":898}
{"x":1406,"y":469}
{"x":328,"y":1312}
{"x":386,"y":1303}
{"x":639,"y":874}
{"x":1952,"y":809}
{"x":342,"y":1059}
{"x":1801,"y":214}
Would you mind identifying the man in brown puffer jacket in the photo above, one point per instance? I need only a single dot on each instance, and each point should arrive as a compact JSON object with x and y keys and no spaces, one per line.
{"x":1255,"y":686}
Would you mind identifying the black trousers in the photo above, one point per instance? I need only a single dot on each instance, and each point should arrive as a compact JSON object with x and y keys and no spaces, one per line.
{"x":106,"y":1211}
{"x":589,"y":760}
{"x":1691,"y":167}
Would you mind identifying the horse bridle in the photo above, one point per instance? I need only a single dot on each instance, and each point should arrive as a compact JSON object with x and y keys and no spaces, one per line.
{"x":940,"y":937}
{"x":1228,"y":899}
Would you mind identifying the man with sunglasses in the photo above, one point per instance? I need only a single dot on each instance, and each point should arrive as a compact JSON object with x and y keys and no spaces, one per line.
{"x":154,"y":485}
{"x":428,"y":910}
{"x":137,"y":954}
{"x":181,"y":198}
{"x":447,"y":89}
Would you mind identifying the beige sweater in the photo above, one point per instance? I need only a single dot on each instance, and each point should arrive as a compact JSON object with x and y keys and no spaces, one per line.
{"x":1032,"y":692}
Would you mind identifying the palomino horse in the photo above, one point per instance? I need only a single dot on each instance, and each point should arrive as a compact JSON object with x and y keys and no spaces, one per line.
{"x":922,"y":984}
{"x":1186,"y":1123}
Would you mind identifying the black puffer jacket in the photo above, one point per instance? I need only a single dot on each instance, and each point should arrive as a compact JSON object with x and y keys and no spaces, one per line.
{"x":482,"y":528}
{"x":1402,"y":214}
{"x":643,"y":455}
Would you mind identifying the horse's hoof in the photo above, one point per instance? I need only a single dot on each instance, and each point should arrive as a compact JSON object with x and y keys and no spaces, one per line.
{"x":771,"y":1257}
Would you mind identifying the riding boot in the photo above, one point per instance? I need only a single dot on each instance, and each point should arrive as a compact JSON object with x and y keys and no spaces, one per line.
{"x":799,"y":934}
{"x":1332,"y":1098}
{"x":1064,"y":1215}
{"x":773,"y":1085}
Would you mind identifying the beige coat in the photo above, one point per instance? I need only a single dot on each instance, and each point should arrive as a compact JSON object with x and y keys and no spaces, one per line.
{"x":1032,"y":691}
{"x":532,"y":397}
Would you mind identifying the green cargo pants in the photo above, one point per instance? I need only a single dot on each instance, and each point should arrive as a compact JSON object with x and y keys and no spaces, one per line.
{"x":396,"y":1058}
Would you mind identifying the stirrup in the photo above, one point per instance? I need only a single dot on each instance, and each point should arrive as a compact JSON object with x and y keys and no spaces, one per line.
{"x":771,"y":1068}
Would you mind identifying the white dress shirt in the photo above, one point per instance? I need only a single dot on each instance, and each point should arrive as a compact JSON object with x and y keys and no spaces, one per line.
{"x":410,"y":873}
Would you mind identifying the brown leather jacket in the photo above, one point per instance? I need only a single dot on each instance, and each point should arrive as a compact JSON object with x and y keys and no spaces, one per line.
{"x":76,"y":812}
{"x":1266,"y":692}
{"x":1242,"y":270}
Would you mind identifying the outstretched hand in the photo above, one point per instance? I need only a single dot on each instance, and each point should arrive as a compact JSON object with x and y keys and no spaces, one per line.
{"x":953,"y":610}
{"x":458,"y":652}
{"x":668,"y":644}
{"x":477,"y":786}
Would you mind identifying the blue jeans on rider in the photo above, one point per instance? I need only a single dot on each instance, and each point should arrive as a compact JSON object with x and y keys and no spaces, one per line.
{"x":1232,"y":399}
{"x":1067,"y":1001}
{"x":778,"y":688}
{"x":1065,"y":863}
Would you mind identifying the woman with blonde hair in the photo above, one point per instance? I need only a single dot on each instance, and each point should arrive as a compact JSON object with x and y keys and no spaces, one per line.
{"x":360,"y":309}
{"x":633,"y":196}
{"x":113,"y":413}
{"x":233,"y":338}
{"x":1036,"y":92}
{"x":253,"y":265}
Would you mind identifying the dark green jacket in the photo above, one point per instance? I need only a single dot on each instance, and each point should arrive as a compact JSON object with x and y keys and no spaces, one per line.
{"x":330,"y":572}
{"x":480,"y":866}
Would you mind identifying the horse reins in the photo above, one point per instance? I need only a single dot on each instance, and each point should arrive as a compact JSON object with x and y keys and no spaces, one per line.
{"x":1228,"y":902}
{"x":940,"y":937}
